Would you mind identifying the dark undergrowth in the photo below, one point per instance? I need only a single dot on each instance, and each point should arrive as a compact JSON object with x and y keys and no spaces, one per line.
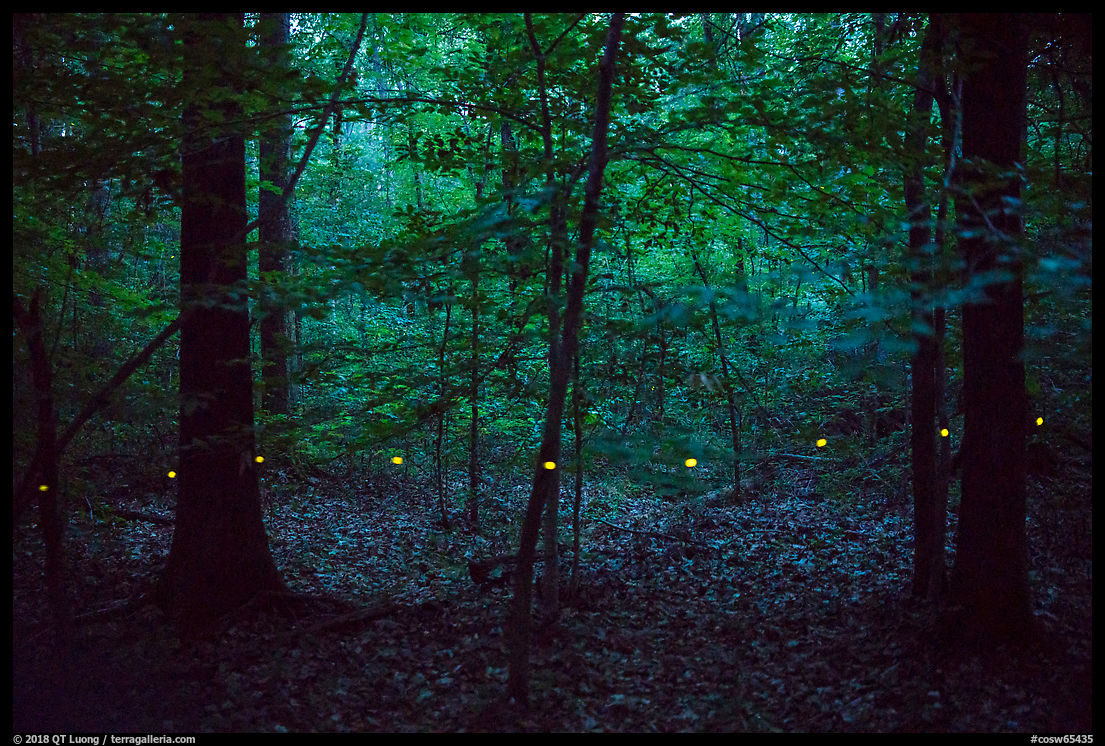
{"x":787,"y":613}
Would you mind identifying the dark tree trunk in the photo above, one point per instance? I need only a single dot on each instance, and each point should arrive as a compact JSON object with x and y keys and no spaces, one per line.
{"x":275,"y":231}
{"x":474,"y":398}
{"x":220,"y":555}
{"x":990,"y":579}
{"x":726,"y":380}
{"x":516,"y":271}
{"x":577,"y":496}
{"x":549,"y":453}
{"x":442,"y":413}
{"x":43,"y":472}
{"x":730,"y":394}
{"x":928,"y":511}
{"x":558,"y":231}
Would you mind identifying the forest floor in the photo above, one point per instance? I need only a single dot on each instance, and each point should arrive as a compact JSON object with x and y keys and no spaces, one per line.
{"x":789,"y":613}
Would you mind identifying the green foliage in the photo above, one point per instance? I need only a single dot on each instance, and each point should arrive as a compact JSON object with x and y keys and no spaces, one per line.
{"x":754,"y":180}
{"x":751,"y":273}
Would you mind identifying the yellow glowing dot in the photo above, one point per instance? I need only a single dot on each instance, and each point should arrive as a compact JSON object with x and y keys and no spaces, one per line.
{"x":43,"y":487}
{"x":396,"y":459}
{"x":691,"y":462}
{"x":550,"y":465}
{"x":821,"y":442}
{"x":259,"y":459}
{"x":1039,"y":420}
{"x":172,"y":475}
{"x":944,"y":432}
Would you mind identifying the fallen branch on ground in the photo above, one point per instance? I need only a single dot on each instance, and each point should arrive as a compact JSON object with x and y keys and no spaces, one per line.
{"x":657,"y":534}
{"x":134,"y":515}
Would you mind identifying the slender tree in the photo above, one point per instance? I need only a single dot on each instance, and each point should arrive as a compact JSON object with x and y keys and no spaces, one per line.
{"x":928,"y":511}
{"x":44,"y":469}
{"x":275,"y":229}
{"x":549,"y":453}
{"x":472,"y":269}
{"x":726,"y":381}
{"x":442,"y":414}
{"x":550,"y":578}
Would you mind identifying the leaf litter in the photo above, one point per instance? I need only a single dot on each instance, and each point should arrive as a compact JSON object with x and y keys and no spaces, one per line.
{"x":789,"y":613}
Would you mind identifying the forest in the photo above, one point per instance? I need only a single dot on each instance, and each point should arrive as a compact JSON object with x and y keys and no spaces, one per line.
{"x":600,"y":372}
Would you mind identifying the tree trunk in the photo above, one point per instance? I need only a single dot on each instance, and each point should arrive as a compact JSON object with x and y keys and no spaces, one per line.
{"x":558,"y":231}
{"x":220,"y":555}
{"x":439,"y":465}
{"x":549,"y":454}
{"x":474,"y":398}
{"x":275,"y":229}
{"x":730,"y":395}
{"x":516,"y":272}
{"x":990,"y":579}
{"x":928,"y":514}
{"x":577,"y":496}
{"x":43,"y":472}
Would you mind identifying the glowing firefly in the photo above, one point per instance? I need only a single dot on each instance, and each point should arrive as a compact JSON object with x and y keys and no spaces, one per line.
{"x":944,"y":432}
{"x":691,"y":462}
{"x":550,"y":465}
{"x":172,"y":475}
{"x":396,"y":460}
{"x":821,"y":442}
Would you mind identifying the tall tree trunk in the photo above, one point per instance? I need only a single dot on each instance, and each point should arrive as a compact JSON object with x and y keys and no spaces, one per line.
{"x":220,"y":555}
{"x":275,"y":230}
{"x":875,"y":95}
{"x":950,"y":137}
{"x":577,"y":497}
{"x":439,"y":465}
{"x":470,"y":267}
{"x":928,"y":513}
{"x":990,"y":578}
{"x":511,"y":176}
{"x":730,"y":395}
{"x":558,"y":231}
{"x":549,"y":453}
{"x":474,"y":398}
{"x":44,"y":468}
{"x":337,"y":144}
